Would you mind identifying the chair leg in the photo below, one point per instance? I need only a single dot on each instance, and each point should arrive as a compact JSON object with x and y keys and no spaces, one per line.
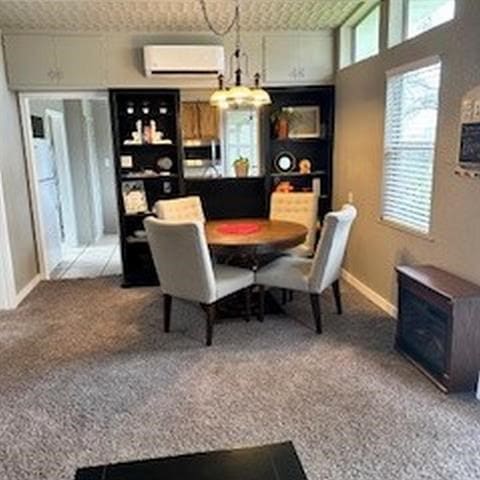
{"x":248,"y":303}
{"x":211,"y":312}
{"x":317,"y":312}
{"x":261,"y":303}
{"x":337,"y":296}
{"x":167,"y":312}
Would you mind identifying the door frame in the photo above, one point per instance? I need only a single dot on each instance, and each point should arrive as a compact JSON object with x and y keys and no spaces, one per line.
{"x":24,"y":101}
{"x":8,"y":295}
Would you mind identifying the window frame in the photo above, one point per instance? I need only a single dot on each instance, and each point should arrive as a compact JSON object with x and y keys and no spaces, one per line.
{"x":406,"y":6}
{"x":400,"y":70}
{"x":224,"y":134}
{"x":353,"y":40}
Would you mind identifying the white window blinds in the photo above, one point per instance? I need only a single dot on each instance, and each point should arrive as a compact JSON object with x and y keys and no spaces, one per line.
{"x":410,"y":134}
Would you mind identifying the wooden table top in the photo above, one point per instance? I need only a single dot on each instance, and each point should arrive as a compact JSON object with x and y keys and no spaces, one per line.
{"x":273,"y":234}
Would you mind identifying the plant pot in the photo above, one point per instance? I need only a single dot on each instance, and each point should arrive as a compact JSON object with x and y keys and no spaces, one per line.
{"x":241,"y":170}
{"x":281,"y":128}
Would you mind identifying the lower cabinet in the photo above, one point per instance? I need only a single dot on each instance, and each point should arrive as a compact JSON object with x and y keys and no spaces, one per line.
{"x":438,"y":327}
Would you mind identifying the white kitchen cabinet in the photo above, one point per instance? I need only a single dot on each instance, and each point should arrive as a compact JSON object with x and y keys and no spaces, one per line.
{"x":298,"y":58}
{"x":80,"y":60}
{"x":30,"y":60}
{"x":49,"y":61}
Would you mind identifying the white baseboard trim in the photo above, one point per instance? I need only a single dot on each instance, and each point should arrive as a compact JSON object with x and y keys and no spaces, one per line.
{"x":27,"y":289}
{"x":373,"y":296}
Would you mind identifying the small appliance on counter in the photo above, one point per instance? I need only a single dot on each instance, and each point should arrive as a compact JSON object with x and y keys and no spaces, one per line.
{"x":201,"y":158}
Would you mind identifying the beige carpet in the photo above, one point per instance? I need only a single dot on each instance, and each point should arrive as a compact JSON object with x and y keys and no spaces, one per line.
{"x":87,"y":377}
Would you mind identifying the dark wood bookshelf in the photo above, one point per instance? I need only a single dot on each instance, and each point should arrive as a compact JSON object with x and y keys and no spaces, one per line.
{"x":221,"y":197}
{"x":318,"y":150}
{"x":126,"y":111}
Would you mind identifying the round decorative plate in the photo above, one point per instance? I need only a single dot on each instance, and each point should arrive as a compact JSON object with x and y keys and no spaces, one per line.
{"x":165,"y":163}
{"x":285,"y":162}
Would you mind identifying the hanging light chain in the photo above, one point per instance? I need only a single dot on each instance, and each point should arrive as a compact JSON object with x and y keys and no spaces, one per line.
{"x":228,"y":29}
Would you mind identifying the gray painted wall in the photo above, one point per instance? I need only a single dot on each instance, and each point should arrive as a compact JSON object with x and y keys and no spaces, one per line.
{"x":376,"y":248}
{"x":17,"y":200}
{"x":103,"y":140}
{"x":38,"y":106}
{"x":79,"y":169}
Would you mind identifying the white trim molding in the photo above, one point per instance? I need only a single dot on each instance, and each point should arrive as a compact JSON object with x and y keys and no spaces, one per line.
{"x":373,"y":296}
{"x":27,"y":289}
{"x":24,"y":100}
{"x":7,"y":276}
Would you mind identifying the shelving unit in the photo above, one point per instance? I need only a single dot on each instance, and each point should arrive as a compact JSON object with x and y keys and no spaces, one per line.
{"x":138,"y":164}
{"x":223,"y":197}
{"x":318,"y":150}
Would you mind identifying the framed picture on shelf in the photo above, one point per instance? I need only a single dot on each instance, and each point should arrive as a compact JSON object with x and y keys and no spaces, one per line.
{"x":134,"y":197}
{"x":304,"y":122}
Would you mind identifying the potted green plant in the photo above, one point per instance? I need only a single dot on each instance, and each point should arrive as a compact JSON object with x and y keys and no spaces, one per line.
{"x":281,"y":120}
{"x":241,"y":165}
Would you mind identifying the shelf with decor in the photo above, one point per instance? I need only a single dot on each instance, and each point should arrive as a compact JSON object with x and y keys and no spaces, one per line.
{"x":298,"y":133}
{"x":148,"y":161}
{"x":129,"y":178}
{"x":299,"y":174}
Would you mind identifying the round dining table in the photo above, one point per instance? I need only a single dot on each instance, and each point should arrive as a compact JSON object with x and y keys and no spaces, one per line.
{"x":250,"y":243}
{"x":257,"y":235}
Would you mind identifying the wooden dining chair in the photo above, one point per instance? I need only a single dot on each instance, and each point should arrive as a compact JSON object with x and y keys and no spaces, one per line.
{"x":316,"y":275}
{"x":297,"y":207}
{"x":182,"y":261}
{"x":180,"y":209}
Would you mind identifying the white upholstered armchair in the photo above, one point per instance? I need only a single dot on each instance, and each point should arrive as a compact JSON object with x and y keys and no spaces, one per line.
{"x":297,"y":207}
{"x":313,"y":276}
{"x":181,"y":257}
{"x":187,"y":209}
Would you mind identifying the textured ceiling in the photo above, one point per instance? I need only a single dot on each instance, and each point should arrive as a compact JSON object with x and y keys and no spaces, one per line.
{"x":170,"y":15}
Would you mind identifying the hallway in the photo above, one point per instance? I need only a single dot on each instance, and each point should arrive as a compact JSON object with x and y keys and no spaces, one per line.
{"x":95,"y":260}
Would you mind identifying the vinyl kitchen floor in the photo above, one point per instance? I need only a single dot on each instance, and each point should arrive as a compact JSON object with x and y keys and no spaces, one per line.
{"x":95,"y":260}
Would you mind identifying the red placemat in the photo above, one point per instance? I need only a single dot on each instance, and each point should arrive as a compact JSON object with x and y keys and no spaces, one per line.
{"x":239,"y":228}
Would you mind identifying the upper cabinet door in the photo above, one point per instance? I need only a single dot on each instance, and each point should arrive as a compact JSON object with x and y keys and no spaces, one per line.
{"x":208,"y":121}
{"x":30,"y":60}
{"x":190,"y":123}
{"x":81,"y":60}
{"x":298,"y":58}
{"x":315,"y":58}
{"x":280,"y":59}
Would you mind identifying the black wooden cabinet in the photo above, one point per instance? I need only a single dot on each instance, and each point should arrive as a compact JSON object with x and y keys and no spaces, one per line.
{"x":152,"y":163}
{"x":317,"y":149}
{"x":141,"y":163}
{"x":438,"y":326}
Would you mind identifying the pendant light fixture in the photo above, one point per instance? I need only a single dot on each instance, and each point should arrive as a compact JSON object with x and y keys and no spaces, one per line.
{"x":238,"y":95}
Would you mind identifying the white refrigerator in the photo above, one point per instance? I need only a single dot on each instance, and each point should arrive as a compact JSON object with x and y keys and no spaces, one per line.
{"x":49,"y":202}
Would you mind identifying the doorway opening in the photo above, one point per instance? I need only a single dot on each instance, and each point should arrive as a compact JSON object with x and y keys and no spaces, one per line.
{"x":72,"y":179}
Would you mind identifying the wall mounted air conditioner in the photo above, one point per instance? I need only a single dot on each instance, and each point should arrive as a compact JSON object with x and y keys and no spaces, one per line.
{"x":184,"y":60}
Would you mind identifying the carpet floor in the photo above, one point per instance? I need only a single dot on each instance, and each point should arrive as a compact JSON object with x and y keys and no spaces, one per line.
{"x":87,"y":377}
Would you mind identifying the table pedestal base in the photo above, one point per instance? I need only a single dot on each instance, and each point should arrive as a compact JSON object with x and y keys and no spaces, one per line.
{"x":234,"y":306}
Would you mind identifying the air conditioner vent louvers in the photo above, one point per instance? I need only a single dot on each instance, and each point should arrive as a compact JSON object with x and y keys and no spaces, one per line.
{"x":184,"y":60}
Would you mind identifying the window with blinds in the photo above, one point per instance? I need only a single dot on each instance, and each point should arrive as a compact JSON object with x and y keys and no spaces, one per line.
{"x":410,"y":134}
